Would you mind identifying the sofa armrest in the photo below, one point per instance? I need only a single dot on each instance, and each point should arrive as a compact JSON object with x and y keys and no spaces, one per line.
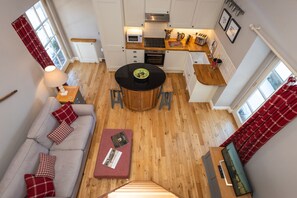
{"x":84,"y":109}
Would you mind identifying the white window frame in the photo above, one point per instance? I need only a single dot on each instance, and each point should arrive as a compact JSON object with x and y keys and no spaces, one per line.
{"x":255,"y":85}
{"x":55,"y":35}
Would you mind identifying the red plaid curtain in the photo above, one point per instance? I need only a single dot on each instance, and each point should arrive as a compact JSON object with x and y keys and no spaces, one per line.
{"x":31,"y":41}
{"x":278,"y":111}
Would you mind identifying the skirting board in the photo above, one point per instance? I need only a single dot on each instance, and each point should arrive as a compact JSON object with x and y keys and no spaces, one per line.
{"x":77,"y":59}
{"x":74,"y":59}
{"x":220,"y":107}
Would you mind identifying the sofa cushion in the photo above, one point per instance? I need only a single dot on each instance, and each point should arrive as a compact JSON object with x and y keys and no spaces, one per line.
{"x":60,"y":133}
{"x":46,"y":167}
{"x":65,"y":113}
{"x":79,"y":137}
{"x":45,"y":123}
{"x":24,"y":162}
{"x":67,"y":170}
{"x":39,"y":187}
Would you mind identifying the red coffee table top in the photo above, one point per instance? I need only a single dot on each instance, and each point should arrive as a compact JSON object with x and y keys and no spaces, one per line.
{"x":122,"y":170}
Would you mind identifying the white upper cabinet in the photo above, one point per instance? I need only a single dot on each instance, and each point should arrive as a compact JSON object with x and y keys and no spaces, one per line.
{"x":110,"y":19}
{"x":181,"y":13}
{"x":207,"y":13}
{"x":157,"y":6}
{"x":134,"y":12}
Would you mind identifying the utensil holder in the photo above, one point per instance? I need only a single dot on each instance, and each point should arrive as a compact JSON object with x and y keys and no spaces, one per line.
{"x":216,"y":62}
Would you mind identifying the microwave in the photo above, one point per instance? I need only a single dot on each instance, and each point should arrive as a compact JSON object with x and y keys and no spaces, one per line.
{"x":134,"y":36}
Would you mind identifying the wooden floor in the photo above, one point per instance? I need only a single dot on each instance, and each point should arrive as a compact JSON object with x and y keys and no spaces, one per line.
{"x":167,"y":145}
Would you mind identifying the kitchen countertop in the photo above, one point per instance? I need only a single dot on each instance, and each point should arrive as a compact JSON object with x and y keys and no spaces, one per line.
{"x":191,"y":47}
{"x":207,"y":76}
{"x":204,"y":73}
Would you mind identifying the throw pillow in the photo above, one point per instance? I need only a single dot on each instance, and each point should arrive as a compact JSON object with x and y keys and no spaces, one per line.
{"x":39,"y":187}
{"x":65,"y":113}
{"x":46,"y":167}
{"x":60,"y":133}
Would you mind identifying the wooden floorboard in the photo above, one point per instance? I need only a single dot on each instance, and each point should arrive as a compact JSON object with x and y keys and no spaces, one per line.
{"x":167,"y":145}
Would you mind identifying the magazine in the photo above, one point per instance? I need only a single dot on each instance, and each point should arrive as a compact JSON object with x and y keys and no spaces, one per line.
{"x":119,"y":139}
{"x":112,"y":158}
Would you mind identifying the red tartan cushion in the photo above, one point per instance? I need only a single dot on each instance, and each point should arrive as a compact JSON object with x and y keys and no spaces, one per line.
{"x":46,"y":167}
{"x":39,"y":187}
{"x":65,"y":113}
{"x":60,"y":133}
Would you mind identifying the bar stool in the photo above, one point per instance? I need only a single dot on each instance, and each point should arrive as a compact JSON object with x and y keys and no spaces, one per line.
{"x":115,"y":93}
{"x":166,"y":94}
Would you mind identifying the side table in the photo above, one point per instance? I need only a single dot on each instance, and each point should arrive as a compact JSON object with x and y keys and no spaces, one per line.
{"x":74,"y":96}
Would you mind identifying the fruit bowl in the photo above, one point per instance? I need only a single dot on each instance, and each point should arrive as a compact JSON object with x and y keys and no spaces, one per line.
{"x":141,"y":73}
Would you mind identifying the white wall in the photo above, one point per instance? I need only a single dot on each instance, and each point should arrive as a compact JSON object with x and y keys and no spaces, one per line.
{"x":249,"y":65}
{"x":272,"y":170}
{"x":18,"y":70}
{"x":276,"y":20}
{"x":78,"y":20}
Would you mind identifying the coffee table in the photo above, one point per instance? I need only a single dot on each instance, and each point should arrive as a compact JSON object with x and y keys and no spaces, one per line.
{"x":122,"y":170}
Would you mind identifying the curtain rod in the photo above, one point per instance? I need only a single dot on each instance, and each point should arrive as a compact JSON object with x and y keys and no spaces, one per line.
{"x":256,"y":30}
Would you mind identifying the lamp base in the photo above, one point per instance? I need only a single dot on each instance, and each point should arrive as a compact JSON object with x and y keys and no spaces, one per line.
{"x":63,"y":92}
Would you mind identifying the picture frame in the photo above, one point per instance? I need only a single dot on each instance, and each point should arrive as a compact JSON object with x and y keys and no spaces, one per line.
{"x":224,"y":19}
{"x":233,"y":30}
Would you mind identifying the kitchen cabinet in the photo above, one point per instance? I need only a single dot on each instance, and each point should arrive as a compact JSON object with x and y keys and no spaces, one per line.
{"x":198,"y":92}
{"x":112,"y":36}
{"x":157,"y":6}
{"x":135,"y":56}
{"x":134,"y":13}
{"x":181,"y":13}
{"x":175,"y":60}
{"x":207,"y":13}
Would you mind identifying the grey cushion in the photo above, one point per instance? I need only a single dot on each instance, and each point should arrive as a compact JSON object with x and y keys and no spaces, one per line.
{"x":79,"y":137}
{"x":66,"y":170}
{"x":45,"y":123}
{"x":25,"y":161}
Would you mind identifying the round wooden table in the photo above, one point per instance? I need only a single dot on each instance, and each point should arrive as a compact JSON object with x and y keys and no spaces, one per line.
{"x":140,"y":95}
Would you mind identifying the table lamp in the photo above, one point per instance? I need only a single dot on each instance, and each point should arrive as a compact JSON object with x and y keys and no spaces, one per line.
{"x":53,"y":77}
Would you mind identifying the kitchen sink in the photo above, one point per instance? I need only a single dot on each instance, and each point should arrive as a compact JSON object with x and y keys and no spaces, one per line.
{"x":199,"y":58}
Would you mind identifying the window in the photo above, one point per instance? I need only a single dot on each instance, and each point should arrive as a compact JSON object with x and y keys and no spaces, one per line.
{"x":43,"y":28}
{"x":267,"y":87}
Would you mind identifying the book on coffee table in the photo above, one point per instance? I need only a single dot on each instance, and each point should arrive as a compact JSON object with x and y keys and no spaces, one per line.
{"x":112,"y":158}
{"x":119,"y":139}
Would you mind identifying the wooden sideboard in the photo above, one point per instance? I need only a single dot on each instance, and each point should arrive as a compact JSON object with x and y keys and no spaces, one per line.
{"x":217,"y":185}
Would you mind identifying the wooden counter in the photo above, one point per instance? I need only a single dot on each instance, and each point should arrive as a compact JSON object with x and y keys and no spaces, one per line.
{"x":208,"y":76}
{"x":191,"y":47}
{"x":204,"y":74}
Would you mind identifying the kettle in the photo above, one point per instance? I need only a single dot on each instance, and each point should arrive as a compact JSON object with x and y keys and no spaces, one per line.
{"x":180,"y":36}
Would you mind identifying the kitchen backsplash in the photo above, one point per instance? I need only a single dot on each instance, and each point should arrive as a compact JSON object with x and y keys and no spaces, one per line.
{"x":227,"y":68}
{"x":157,"y":30}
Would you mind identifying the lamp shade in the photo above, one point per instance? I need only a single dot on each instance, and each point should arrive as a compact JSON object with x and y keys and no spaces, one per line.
{"x":53,"y":77}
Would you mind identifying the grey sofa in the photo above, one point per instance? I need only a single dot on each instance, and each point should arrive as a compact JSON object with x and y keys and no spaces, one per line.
{"x":71,"y":154}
